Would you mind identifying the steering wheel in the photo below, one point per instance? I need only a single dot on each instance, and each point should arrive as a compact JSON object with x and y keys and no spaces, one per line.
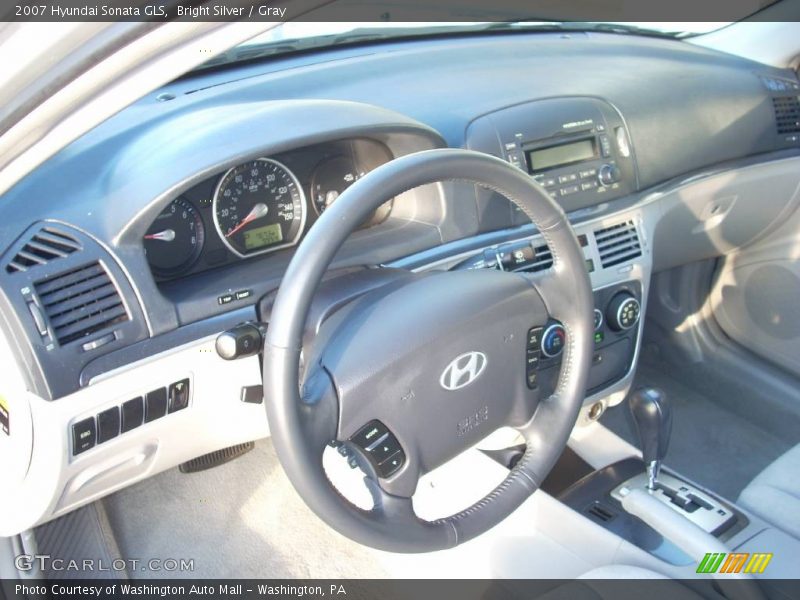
{"x":415,"y":371}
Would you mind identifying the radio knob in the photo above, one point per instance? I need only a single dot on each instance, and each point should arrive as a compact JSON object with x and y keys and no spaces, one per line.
{"x":609,"y":174}
{"x":623,"y":311}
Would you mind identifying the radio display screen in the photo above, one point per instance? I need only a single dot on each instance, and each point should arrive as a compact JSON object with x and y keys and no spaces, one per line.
{"x":563,"y":154}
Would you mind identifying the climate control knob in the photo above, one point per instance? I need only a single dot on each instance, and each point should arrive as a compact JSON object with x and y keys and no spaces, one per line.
{"x":608,"y":174}
{"x":553,"y":340}
{"x":623,"y":311}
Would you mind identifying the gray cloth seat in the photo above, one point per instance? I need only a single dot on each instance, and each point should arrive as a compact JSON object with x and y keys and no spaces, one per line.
{"x":774,"y":494}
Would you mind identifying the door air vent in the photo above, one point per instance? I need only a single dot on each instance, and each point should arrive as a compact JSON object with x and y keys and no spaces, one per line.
{"x":617,"y":244}
{"x":787,"y":114}
{"x":46,"y":245}
{"x":80,"y":302}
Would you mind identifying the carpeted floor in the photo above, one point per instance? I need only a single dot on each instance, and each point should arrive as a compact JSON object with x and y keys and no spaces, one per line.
{"x":709,"y":443}
{"x":253,"y":524}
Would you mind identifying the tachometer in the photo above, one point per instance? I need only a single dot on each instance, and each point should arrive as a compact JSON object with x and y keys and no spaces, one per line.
{"x":259,"y":206}
{"x":175,"y":239}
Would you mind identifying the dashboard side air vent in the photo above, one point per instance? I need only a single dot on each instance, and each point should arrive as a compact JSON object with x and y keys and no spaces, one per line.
{"x":80,"y":302}
{"x":787,"y":114}
{"x":617,"y":244}
{"x":543,"y":259}
{"x":46,"y":245}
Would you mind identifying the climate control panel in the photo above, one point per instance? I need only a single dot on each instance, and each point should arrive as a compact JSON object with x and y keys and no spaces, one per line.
{"x":617,"y":312}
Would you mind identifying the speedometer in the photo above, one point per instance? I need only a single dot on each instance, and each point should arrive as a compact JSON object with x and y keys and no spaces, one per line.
{"x":259,"y":207}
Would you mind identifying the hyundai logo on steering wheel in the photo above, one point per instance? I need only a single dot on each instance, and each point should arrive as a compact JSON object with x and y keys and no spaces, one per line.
{"x":463,"y":370}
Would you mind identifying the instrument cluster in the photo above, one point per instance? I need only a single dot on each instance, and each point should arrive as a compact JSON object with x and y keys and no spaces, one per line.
{"x":257,"y":207}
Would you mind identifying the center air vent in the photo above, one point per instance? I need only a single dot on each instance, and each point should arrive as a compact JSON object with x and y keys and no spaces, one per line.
{"x":617,"y":244}
{"x":46,"y":245}
{"x":787,"y":114}
{"x":80,"y":302}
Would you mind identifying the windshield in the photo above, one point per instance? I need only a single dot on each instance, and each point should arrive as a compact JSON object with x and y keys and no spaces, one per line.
{"x":298,"y":36}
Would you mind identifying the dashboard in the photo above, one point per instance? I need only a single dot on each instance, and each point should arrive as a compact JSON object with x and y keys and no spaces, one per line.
{"x":127,"y":254}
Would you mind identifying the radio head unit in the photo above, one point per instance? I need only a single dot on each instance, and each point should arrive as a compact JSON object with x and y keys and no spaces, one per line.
{"x":578,"y":148}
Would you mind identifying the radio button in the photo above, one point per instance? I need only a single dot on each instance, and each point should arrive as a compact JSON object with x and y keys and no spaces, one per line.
{"x":549,"y":182}
{"x":567,"y":178}
{"x":588,"y":173}
{"x":588,"y":185}
{"x":605,"y":146}
{"x":571,"y":189}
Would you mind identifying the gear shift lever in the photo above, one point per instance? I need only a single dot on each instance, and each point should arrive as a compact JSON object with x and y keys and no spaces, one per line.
{"x":651,"y":415}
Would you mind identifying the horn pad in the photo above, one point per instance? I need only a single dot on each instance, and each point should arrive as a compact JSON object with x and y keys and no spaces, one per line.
{"x":437,"y":357}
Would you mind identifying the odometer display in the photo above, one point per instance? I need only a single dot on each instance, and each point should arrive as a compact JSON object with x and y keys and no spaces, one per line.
{"x":261,"y":237}
{"x":259,"y":206}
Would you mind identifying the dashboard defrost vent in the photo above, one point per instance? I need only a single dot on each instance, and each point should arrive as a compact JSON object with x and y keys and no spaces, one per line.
{"x":46,"y":245}
{"x":787,"y":114}
{"x":81,"y":302}
{"x":543,"y":259}
{"x":617,"y":244}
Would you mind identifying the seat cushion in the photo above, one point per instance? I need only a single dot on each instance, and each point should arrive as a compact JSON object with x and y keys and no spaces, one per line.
{"x":774,"y":495}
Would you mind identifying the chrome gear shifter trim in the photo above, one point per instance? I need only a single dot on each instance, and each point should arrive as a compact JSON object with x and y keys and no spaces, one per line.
{"x":702,"y":509}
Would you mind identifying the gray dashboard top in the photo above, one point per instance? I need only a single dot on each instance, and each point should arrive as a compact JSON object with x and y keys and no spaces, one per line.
{"x":686,"y":108}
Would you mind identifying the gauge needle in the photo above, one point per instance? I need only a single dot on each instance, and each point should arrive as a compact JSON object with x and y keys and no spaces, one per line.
{"x":258,"y":211}
{"x":165,"y":236}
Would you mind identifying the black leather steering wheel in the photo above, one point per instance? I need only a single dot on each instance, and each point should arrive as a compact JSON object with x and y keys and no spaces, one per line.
{"x":434,"y":360}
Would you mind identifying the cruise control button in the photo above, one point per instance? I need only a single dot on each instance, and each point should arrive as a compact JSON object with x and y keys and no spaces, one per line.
{"x":392,"y":465}
{"x":385,"y":447}
{"x":553,"y":340}
{"x":534,"y":338}
{"x":532,"y":359}
{"x":533,"y":379}
{"x":369,"y":434}
{"x":84,"y":435}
